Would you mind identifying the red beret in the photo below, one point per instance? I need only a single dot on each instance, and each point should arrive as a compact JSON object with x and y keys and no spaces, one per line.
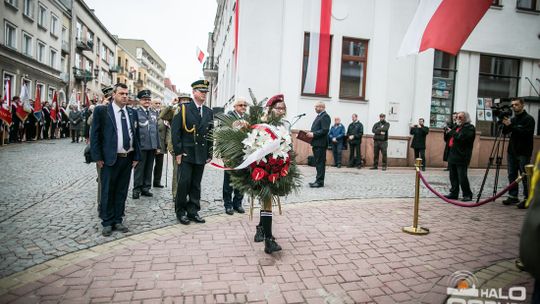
{"x":275,"y":99}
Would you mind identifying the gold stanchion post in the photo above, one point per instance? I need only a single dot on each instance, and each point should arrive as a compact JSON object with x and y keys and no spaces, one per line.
{"x":529,"y":171}
{"x":414,"y":229}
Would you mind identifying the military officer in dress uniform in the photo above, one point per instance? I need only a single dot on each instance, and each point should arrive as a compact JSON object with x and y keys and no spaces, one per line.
{"x":191,"y":137}
{"x":149,"y":141}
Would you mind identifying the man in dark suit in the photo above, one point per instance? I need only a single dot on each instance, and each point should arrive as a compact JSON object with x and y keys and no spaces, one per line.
{"x":319,"y":142}
{"x":191,"y":138}
{"x":355,"y":131}
{"x":114,"y":145}
{"x":149,"y":141}
{"x":461,"y":146}
{"x":418,"y":143}
{"x":46,"y":110}
{"x":234,"y":203}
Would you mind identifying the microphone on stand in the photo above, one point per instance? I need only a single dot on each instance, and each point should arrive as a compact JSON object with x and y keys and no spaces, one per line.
{"x":300,"y":115}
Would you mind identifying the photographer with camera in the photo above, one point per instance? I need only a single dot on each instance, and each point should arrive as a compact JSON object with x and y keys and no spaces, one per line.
{"x":449,"y":126}
{"x":418,"y":142}
{"x":521,"y":130}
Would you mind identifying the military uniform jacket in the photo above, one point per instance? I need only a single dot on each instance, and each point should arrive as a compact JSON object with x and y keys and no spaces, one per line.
{"x":148,"y":129}
{"x":355,"y":129}
{"x":378,"y":128}
{"x":191,"y":133}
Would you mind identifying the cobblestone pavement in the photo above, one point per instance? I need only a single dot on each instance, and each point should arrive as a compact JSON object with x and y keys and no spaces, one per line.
{"x":48,"y":199}
{"x":343,"y":251}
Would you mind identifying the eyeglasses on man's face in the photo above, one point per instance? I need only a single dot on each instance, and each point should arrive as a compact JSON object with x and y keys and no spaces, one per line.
{"x":241,"y":105}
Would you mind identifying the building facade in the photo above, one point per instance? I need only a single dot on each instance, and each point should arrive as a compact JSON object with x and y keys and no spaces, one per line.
{"x":32,"y":46}
{"x":270,"y":54}
{"x":130,"y":72}
{"x":150,"y":60}
{"x":94,"y":52}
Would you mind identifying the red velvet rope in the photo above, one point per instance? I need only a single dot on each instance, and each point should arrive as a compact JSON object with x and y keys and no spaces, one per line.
{"x":457,"y":203}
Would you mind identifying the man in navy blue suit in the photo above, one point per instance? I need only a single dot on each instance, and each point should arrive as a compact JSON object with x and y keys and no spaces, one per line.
{"x":114,"y":145}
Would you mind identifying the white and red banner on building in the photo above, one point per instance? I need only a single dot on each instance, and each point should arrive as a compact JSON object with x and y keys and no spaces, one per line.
{"x":200,"y":55}
{"x":316,"y":80}
{"x":444,"y":25}
{"x":5,"y":109}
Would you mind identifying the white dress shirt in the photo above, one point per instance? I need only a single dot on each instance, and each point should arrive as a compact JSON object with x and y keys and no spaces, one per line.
{"x":120,"y":136}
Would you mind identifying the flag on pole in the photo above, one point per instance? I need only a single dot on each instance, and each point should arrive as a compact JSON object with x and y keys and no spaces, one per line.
{"x":24,"y":108}
{"x":200,"y":55}
{"x":37,"y":104}
{"x":316,"y":81}
{"x":444,"y":25}
{"x":54,"y":108}
{"x":5,"y":109}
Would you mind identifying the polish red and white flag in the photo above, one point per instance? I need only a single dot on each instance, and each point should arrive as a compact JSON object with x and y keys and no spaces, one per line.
{"x":316,"y":80}
{"x":200,"y":55}
{"x":444,"y":25}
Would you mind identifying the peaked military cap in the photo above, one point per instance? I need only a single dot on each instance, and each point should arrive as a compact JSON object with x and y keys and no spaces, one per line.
{"x":107,"y":91}
{"x":184,"y":95}
{"x":201,"y":85}
{"x":144,"y":94}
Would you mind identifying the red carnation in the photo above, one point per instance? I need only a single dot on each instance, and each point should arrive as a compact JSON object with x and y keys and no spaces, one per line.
{"x":284,"y":171}
{"x":272,"y":161}
{"x":273,"y":177}
{"x":281,"y":162}
{"x":258,"y":174}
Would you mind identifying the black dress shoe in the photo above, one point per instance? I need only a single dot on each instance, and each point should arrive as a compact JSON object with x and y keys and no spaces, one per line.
{"x":450,"y":196}
{"x":120,"y":227}
{"x":316,"y":185}
{"x":466,"y":199}
{"x":183,"y":219}
{"x":522,"y":204}
{"x":107,"y":231}
{"x":158,"y":186}
{"x":136,"y":195}
{"x":197,"y":219}
{"x":147,"y":193}
{"x":229,"y":211}
{"x":373,"y":168}
{"x":511,"y":200}
{"x":240,"y":209}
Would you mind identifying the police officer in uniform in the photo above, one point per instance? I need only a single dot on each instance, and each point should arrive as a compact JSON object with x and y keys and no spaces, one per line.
{"x":149,"y":141}
{"x":191,"y":137}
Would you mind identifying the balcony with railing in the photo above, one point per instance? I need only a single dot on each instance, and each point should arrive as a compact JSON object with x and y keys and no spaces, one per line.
{"x":83,"y":45}
{"x":139,"y":83}
{"x":81,"y":74}
{"x":210,"y":68}
{"x":115,"y":69}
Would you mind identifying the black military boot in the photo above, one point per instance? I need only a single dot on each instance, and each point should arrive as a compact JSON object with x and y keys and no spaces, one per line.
{"x":270,"y":245}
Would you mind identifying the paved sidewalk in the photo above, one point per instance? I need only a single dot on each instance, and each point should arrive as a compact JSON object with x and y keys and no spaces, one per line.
{"x":340,"y":251}
{"x":48,"y":199}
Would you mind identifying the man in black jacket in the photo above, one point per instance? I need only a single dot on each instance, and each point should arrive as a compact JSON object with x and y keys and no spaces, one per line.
{"x":521,"y":129}
{"x":461,"y":146}
{"x":418,"y":143}
{"x":319,"y":142}
{"x":355,"y":131}
{"x":380,"y":141}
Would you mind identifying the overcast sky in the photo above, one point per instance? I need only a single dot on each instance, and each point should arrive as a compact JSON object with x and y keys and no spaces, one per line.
{"x":172,"y":28}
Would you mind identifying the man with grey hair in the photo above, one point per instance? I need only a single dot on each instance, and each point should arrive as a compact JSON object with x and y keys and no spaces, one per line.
{"x":234,"y":203}
{"x":459,"y":156}
{"x":319,"y":135}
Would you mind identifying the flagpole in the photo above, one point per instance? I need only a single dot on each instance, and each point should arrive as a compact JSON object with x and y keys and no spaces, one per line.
{"x":3,"y":134}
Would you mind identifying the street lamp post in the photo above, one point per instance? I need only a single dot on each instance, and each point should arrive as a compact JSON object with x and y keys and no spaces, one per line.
{"x":84,"y":76}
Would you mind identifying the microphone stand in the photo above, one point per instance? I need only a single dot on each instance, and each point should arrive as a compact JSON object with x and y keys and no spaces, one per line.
{"x":297,"y":118}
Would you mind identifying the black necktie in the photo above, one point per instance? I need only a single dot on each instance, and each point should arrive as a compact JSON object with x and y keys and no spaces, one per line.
{"x":147,"y":113}
{"x":125,"y":131}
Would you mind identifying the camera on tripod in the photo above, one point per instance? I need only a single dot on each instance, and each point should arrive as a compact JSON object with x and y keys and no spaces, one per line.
{"x":502,"y":111}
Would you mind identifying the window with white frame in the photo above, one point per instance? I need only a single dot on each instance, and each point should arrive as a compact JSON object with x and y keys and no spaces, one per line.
{"x":42,"y":15}
{"x":28,"y":9}
{"x":13,"y":3}
{"x":28,"y":84}
{"x":11,"y":78}
{"x":530,"y":5}
{"x":53,"y":58}
{"x":89,"y":65}
{"x":111,"y":58}
{"x":63,"y":64}
{"x":78,"y":61}
{"x":78,"y":27}
{"x":10,"y":35}
{"x":54,"y":25}
{"x":27,"y":44}
{"x":50,"y":93}
{"x":103,"y":52}
{"x":40,"y":55}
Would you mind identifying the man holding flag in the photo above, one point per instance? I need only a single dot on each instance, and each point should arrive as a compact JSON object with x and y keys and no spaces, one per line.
{"x":5,"y":109}
{"x":37,"y":113}
{"x":54,"y":115}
